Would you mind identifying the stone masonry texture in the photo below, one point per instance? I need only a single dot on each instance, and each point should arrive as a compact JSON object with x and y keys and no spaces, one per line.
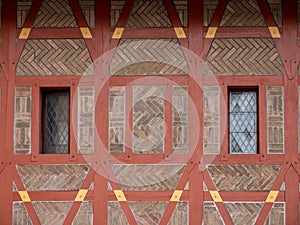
{"x":22,"y":120}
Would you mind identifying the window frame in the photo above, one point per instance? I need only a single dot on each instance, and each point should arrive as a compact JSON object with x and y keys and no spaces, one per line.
{"x":43,"y":92}
{"x":244,"y":89}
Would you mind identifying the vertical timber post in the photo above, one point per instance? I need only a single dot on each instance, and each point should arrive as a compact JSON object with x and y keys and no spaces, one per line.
{"x":8,"y":69}
{"x":291,"y":108}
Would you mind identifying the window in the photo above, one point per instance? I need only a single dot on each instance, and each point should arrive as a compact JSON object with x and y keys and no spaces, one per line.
{"x":243,"y":121}
{"x":55,"y":121}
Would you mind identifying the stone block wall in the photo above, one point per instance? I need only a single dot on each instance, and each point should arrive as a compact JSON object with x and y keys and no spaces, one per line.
{"x":22,"y":120}
{"x":180,"y":103}
{"x":116,"y":120}
{"x":147,"y":177}
{"x":149,"y":213}
{"x":86,"y":120}
{"x":53,"y":212}
{"x":243,"y":177}
{"x":23,"y":8}
{"x":259,"y":57}
{"x":243,"y":213}
{"x":211,"y":120}
{"x":275,"y":115}
{"x":52,"y":177}
{"x":88,"y":10}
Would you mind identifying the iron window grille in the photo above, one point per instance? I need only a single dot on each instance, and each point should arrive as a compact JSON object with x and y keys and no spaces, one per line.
{"x":55,"y":121}
{"x":243,"y":117}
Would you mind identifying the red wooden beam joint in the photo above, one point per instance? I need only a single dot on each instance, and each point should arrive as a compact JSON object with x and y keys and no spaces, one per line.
{"x":291,"y":68}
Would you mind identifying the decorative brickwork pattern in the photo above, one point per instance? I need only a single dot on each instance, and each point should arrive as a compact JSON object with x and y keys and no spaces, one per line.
{"x":148,"y":177}
{"x":52,"y":177}
{"x":180,"y":119}
{"x":116,"y":214}
{"x":277,"y":214}
{"x":52,"y":213}
{"x":148,"y":119}
{"x":243,"y":177}
{"x":209,"y":7}
{"x":211,"y":215}
{"x":86,"y":120}
{"x":242,"y":13}
{"x":211,"y":113}
{"x":23,"y":7}
{"x":20,"y":214}
{"x":55,"y":13}
{"x":149,"y":13}
{"x":243,"y":56}
{"x":22,"y":120}
{"x":243,"y":213}
{"x":116,"y":7}
{"x":85,"y":214}
{"x":182,"y":8}
{"x":116,"y":119}
{"x":275,"y":119}
{"x":180,"y":214}
{"x":148,"y":213}
{"x":88,"y":9}
{"x":148,"y":57}
{"x":276,"y":9}
{"x":55,"y":57}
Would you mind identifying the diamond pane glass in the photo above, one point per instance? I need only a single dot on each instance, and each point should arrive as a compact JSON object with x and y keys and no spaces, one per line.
{"x":56,"y":123}
{"x":243,"y":122}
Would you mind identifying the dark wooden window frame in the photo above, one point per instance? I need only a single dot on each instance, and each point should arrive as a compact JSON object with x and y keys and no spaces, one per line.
{"x":244,"y":89}
{"x":44,"y":93}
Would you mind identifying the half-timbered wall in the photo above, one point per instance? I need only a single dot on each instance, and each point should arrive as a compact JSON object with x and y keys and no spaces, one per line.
{"x":149,"y":85}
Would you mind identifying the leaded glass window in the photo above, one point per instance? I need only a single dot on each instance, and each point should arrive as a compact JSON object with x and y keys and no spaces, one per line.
{"x":243,"y":121}
{"x":55,"y":122}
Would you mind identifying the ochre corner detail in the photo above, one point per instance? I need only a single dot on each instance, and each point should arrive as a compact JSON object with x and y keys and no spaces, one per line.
{"x":179,"y":32}
{"x":216,"y":196}
{"x":211,"y":32}
{"x":274,"y":31}
{"x":24,"y":33}
{"x":24,"y":196}
{"x":176,"y":195}
{"x":120,"y":195}
{"x":81,"y":195}
{"x":85,"y":31}
{"x":118,"y":33}
{"x":272,"y":196}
